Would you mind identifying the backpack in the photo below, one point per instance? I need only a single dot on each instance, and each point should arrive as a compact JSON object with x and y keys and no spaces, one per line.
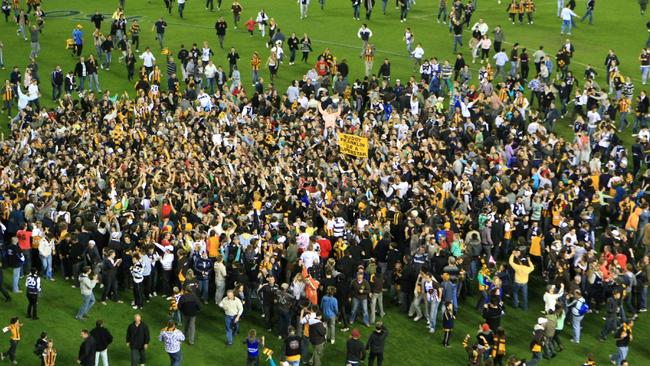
{"x":584,"y":308}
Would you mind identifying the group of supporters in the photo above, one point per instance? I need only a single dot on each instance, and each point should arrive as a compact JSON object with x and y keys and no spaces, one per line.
{"x":202,"y":190}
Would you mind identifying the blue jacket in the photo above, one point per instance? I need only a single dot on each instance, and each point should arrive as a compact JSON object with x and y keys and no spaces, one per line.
{"x":202,"y":268}
{"x":78,"y":36}
{"x":330,"y":307}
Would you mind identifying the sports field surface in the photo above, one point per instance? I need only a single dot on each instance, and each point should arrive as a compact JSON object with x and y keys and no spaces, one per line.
{"x":617,"y":25}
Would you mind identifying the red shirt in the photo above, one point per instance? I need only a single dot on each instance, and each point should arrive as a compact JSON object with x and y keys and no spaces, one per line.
{"x":325,"y":248}
{"x":250,"y":25}
{"x":24,"y":239}
{"x":321,"y":68}
{"x":166,"y":210}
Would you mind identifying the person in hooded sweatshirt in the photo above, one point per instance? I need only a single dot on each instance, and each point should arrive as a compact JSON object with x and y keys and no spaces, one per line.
{"x":376,"y":343}
{"x":355,"y":351}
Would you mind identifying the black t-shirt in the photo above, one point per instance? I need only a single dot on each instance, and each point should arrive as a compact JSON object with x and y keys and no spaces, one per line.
{"x":160,"y":26}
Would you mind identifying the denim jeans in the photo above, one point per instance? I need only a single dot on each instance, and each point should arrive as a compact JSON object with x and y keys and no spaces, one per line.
{"x":94,"y":83}
{"x":524,"y":293}
{"x":176,"y":358}
{"x":433,"y":314}
{"x":576,"y":320}
{"x":356,"y":11}
{"x":458,"y":41}
{"x":16,"y":279}
{"x":644,"y":74}
{"x":82,"y":83}
{"x":87,"y":303}
{"x":589,"y":13}
{"x":181,"y":7}
{"x":355,"y":308}
{"x":218,"y":294}
{"x":230,"y":330}
{"x":46,"y":263}
{"x":104,"y":357}
{"x":203,"y":289}
{"x":109,"y":58}
{"x":621,"y":355}
{"x":566,"y":24}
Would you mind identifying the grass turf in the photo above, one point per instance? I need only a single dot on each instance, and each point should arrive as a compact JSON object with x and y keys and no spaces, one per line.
{"x":617,"y":25}
{"x":409,"y":343}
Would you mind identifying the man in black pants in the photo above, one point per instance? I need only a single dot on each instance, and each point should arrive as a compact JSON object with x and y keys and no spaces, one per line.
{"x":33,"y":287}
{"x":86,"y":349}
{"x":376,"y":343}
{"x":137,"y":338}
{"x":268,"y":294}
{"x":109,"y":277}
{"x":2,"y":287}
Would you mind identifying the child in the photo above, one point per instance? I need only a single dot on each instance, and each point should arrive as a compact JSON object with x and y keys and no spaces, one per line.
{"x":253,"y":345}
{"x":448,"y":317}
{"x":40,"y":346}
{"x":250,"y":26}
{"x":14,"y":328}
{"x":499,"y":348}
{"x":173,"y":307}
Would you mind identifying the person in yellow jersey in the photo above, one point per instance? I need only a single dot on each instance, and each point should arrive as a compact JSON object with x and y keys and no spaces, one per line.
{"x":13,"y":329}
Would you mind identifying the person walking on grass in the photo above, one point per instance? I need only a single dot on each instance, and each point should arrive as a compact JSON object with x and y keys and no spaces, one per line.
{"x":160,"y":26}
{"x":78,"y":38}
{"x":137,"y":339}
{"x":591,"y":4}
{"x":356,"y":9}
{"x":567,"y":16}
{"x":189,"y":306}
{"x":355,"y":350}
{"x":623,"y":338}
{"x":172,"y":338}
{"x":376,"y":343}
{"x":87,"y":283}
{"x":33,"y":289}
{"x":253,"y":346}
{"x":233,"y":308}
{"x":304,"y":7}
{"x":103,"y":339}
{"x":236,"y":9}
{"x":181,"y":7}
{"x":220,"y":27}
{"x":364,"y":34}
{"x":13,"y":329}
{"x":87,"y":349}
{"x":578,"y":308}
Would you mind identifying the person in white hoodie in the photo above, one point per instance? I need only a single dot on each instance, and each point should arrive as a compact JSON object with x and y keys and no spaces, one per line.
{"x":45,"y":252}
{"x":87,"y":283}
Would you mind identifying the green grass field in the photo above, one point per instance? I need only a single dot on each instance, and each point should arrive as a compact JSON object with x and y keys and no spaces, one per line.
{"x":408,"y":344}
{"x":617,"y":25}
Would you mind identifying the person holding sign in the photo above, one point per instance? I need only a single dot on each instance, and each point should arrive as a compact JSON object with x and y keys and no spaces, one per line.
{"x":329,"y":117}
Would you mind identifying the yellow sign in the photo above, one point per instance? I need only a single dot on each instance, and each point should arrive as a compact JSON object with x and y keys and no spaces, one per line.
{"x":353,"y":145}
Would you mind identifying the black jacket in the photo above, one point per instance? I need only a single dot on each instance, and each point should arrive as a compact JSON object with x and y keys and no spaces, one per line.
{"x":189,"y":305}
{"x":87,"y":352}
{"x":354,"y":350}
{"x":377,"y":340}
{"x":317,"y":333}
{"x":103,"y":338}
{"x":137,"y":336}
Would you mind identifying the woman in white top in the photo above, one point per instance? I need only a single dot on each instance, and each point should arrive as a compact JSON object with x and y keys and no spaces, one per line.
{"x":45,"y":252}
{"x":484,"y":44}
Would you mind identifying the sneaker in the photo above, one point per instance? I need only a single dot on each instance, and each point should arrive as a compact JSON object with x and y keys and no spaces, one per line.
{"x":332,"y":341}
{"x":345,"y":329}
{"x":120,"y":302}
{"x":134,"y":307}
{"x":643,"y":310}
{"x":417,"y":318}
{"x":2,"y":356}
{"x":104,"y":303}
{"x":431,"y":330}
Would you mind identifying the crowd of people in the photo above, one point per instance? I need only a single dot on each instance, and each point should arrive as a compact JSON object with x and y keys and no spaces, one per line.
{"x":210,"y":193}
